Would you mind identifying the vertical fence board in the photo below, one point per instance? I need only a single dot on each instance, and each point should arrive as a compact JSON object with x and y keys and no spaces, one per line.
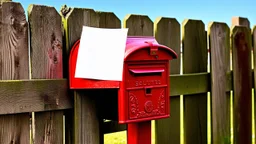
{"x":194,"y":61}
{"x":254,"y":63}
{"x":219,"y":44}
{"x":68,"y":114}
{"x":240,"y":21}
{"x":13,"y":65}
{"x":139,"y":25}
{"x":46,"y":63}
{"x":106,"y":20}
{"x":167,"y":32}
{"x":86,"y":120}
{"x":241,"y":45}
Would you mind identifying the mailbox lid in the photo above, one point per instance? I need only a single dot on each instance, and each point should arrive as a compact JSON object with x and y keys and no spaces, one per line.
{"x":147,"y":48}
{"x":137,"y":48}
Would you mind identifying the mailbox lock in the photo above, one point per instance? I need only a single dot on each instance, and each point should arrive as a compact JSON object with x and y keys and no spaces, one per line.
{"x":153,"y":48}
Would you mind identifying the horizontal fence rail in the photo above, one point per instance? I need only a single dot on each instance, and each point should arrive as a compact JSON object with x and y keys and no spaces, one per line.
{"x":52,"y":94}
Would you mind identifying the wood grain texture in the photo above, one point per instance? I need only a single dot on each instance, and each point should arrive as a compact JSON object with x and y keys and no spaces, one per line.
{"x":46,"y":42}
{"x":106,"y":106}
{"x":240,"y":21}
{"x":219,"y":45}
{"x":86,"y":121}
{"x":68,"y":114}
{"x":194,"y":42}
{"x":46,"y":63}
{"x":33,"y":96}
{"x":108,"y":20}
{"x":167,"y":32}
{"x":13,"y":66}
{"x":139,"y":25}
{"x":241,"y":46}
{"x":254,"y":63}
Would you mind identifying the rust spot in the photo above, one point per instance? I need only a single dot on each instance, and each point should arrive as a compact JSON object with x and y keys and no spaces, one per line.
{"x":53,"y":38}
{"x":55,"y":59}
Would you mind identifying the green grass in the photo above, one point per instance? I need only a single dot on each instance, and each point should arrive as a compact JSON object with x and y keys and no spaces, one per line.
{"x":115,"y":138}
{"x":120,"y":137}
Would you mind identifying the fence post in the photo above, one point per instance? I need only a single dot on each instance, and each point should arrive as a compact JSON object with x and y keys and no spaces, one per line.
{"x":167,"y":32}
{"x":14,"y":65}
{"x":240,"y":21}
{"x":194,"y":42}
{"x":46,"y":63}
{"x":254,"y":64}
{"x":106,"y":20}
{"x":241,"y":46}
{"x":86,"y":119}
{"x":219,"y":45}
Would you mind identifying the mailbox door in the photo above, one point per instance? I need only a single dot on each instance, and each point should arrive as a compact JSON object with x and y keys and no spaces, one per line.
{"x":146,"y":92}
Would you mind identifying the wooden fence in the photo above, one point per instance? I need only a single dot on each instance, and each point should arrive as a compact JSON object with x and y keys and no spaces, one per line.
{"x":36,"y":105}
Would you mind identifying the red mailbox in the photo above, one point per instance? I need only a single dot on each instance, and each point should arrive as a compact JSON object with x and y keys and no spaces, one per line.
{"x":143,"y":93}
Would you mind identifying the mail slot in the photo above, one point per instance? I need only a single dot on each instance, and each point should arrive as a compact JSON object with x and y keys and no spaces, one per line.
{"x":143,"y":93}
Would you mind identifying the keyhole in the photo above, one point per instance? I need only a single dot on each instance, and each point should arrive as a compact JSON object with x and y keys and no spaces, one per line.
{"x":148,"y":90}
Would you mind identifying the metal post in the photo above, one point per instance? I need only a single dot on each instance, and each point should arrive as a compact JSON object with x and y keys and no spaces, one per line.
{"x":139,"y":133}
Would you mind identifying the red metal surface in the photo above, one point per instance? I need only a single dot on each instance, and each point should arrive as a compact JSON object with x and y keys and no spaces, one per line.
{"x":139,"y":133}
{"x":144,"y":95}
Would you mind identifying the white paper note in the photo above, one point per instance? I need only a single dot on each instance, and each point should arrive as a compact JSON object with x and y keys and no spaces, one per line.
{"x":101,"y":53}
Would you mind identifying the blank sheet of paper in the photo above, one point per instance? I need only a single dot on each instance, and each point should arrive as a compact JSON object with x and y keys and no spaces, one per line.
{"x":101,"y":53}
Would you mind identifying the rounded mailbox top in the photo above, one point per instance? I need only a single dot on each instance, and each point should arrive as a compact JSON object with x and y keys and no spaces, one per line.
{"x":135,"y":43}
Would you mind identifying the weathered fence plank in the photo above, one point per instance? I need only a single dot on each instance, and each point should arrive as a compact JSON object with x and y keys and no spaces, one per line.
{"x":254,"y":63}
{"x":194,"y":61}
{"x":106,"y":20}
{"x":13,"y":65}
{"x":219,"y":45}
{"x":139,"y":25}
{"x":86,"y":120}
{"x":241,"y":46}
{"x":46,"y":63}
{"x":28,"y":96}
{"x":240,"y":21}
{"x":68,"y":114}
{"x":167,"y":32}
